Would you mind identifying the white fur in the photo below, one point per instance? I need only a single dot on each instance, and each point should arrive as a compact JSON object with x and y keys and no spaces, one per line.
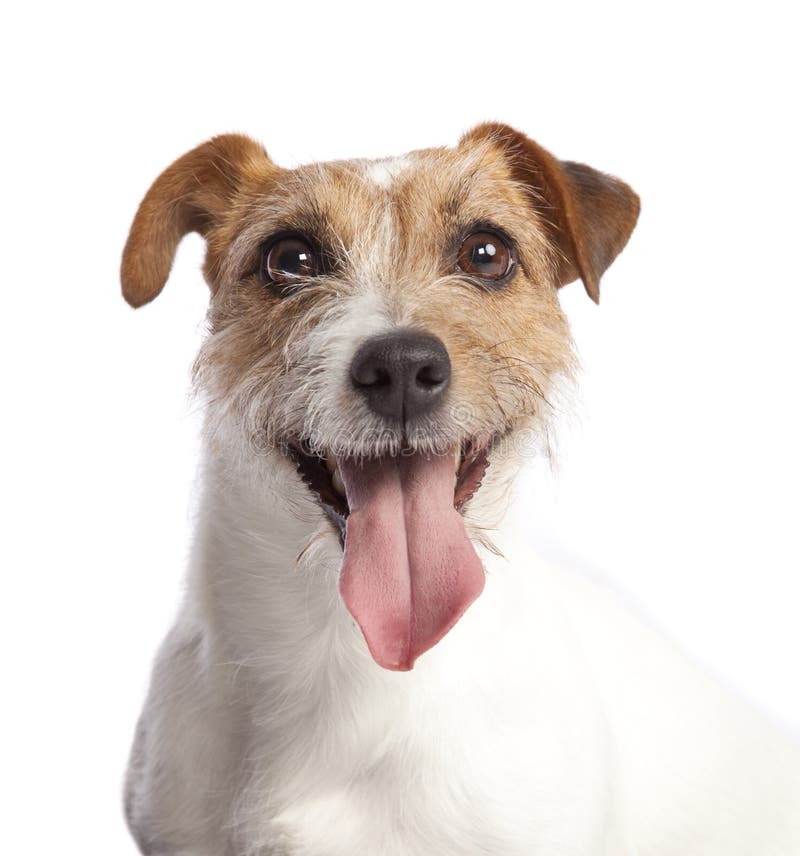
{"x":548,"y":721}
{"x":384,"y":172}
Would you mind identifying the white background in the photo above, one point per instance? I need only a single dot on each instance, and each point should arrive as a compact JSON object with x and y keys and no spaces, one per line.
{"x":678,"y":484}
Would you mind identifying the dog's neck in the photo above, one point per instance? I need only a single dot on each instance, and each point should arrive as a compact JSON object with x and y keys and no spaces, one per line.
{"x":268,"y":558}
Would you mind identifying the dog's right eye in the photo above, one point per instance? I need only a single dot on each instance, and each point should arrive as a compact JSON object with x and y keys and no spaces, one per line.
{"x":288,"y":260}
{"x":486,"y":255}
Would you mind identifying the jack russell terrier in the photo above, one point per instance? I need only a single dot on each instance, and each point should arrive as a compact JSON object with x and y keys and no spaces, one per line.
{"x":367,"y":661}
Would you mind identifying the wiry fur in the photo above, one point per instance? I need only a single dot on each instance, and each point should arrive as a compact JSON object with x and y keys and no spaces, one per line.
{"x":283,"y":363}
{"x":547,"y":721}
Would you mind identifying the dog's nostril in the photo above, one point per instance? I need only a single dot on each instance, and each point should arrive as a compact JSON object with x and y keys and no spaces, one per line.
{"x":402,"y":374}
{"x":430,"y":376}
{"x":371,"y":375}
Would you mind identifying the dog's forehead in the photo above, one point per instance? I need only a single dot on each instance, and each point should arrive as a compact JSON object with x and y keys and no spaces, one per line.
{"x":397,"y":211}
{"x":385,"y":171}
{"x":429,"y":182}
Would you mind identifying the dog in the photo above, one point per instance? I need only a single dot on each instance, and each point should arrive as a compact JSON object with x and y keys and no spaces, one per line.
{"x":368,"y":659}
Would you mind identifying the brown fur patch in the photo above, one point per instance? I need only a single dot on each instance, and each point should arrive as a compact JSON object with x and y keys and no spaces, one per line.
{"x":589,"y":215}
{"x":195,"y":194}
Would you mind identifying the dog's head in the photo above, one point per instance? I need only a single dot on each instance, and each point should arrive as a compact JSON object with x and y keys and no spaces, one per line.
{"x":391,"y":325}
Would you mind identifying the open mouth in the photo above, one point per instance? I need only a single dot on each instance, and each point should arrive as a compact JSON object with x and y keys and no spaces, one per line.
{"x":409,"y":569}
{"x":322,"y":475}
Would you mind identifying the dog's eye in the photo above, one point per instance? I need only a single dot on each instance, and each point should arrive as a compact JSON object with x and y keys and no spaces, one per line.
{"x":288,"y":259}
{"x":485,"y":255}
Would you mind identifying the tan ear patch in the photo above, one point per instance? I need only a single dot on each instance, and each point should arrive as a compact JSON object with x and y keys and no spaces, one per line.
{"x":590,"y":215}
{"x":192,"y":195}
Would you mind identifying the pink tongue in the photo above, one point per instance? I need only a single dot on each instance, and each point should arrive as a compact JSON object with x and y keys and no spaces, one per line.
{"x":409,"y":569}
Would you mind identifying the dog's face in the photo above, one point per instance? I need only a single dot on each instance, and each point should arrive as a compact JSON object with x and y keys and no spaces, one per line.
{"x":389,"y":324}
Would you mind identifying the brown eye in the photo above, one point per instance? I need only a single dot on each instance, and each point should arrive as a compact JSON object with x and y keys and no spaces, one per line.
{"x":485,"y":255}
{"x":287,"y":260}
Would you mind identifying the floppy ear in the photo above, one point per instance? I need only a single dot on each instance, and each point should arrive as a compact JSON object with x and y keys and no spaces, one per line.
{"x":192,"y":195}
{"x":590,"y":215}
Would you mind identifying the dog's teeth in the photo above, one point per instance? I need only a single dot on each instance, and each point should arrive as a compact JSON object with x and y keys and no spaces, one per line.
{"x":331,"y":463}
{"x":458,"y":457}
{"x":338,"y":484}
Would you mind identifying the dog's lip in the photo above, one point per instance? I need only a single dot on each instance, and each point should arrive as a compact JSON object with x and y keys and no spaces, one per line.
{"x":320,"y":473}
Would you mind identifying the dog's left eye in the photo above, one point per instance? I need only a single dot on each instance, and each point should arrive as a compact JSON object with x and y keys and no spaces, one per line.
{"x":485,"y":255}
{"x":288,"y":259}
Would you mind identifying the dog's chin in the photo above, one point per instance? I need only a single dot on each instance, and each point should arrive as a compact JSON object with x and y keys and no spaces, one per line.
{"x":321,"y":473}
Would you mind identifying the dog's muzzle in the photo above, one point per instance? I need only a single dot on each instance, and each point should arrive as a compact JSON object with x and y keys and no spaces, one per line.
{"x":409,"y":569}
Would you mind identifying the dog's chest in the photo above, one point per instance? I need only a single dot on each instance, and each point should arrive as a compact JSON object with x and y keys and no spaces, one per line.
{"x":395,"y":816}
{"x":455,"y":799}
{"x":451,"y":768}
{"x":441,"y":801}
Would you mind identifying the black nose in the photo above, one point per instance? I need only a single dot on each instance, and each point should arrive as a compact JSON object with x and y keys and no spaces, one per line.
{"x":403,"y":374}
